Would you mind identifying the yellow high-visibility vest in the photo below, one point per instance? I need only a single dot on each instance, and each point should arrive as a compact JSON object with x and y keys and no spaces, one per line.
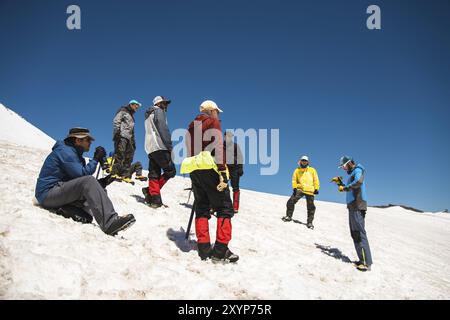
{"x":203,"y":161}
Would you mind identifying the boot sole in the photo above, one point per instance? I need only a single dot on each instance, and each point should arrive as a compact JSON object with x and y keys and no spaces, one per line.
{"x":161,"y":206}
{"x":223,"y":261}
{"x":123,"y":227}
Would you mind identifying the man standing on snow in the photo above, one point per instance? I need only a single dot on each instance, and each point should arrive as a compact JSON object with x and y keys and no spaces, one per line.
{"x":305,"y":182}
{"x":66,"y":182}
{"x":235,"y":164}
{"x":208,"y":172}
{"x":124,"y":140}
{"x":357,"y":208}
{"x":158,"y":145}
{"x":136,"y":167}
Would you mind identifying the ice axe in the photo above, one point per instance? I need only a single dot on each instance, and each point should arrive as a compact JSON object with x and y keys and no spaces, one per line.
{"x":338,"y":181}
{"x":188,"y":230}
{"x":189,"y":196}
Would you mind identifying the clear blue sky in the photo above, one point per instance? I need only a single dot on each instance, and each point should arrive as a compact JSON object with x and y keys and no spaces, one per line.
{"x":310,"y":68}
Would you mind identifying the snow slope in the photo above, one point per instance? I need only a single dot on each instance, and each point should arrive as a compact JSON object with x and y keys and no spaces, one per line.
{"x":44,"y":256}
{"x":17,"y":130}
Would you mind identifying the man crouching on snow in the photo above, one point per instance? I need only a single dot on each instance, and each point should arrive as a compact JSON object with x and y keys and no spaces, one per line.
{"x":66,"y":183}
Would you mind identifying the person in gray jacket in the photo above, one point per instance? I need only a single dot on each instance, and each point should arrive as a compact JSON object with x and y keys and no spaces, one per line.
{"x":124,"y":140}
{"x":158,"y":145}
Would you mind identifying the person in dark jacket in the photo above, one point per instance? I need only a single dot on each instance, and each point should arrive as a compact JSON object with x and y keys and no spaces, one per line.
{"x":124,"y":139}
{"x":210,"y":185}
{"x":158,"y":145}
{"x":65,"y":182}
{"x":136,"y":167}
{"x":357,"y":207}
{"x":235,"y":164}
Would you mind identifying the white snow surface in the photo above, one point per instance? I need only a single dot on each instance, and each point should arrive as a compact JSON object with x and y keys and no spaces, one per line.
{"x":17,"y":130}
{"x":44,"y":256}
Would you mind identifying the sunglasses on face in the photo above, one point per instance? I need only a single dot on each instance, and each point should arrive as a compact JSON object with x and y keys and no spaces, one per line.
{"x":344,"y":166}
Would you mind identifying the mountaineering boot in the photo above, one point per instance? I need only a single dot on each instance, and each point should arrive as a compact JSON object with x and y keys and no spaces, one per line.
{"x":156,"y":201}
{"x":286,"y":219}
{"x":147,"y":199}
{"x":236,"y":196}
{"x":310,"y":225}
{"x":117,"y":178}
{"x":204,"y":250}
{"x":221,"y":253}
{"x":120,"y":224}
{"x":230,"y":256}
{"x":74,"y":213}
{"x":127,"y":180}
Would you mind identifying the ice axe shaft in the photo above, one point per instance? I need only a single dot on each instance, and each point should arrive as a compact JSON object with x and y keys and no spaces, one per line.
{"x":188,"y":230}
{"x":98,"y":171}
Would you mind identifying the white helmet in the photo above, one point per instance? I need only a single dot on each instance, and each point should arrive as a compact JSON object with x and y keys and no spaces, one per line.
{"x":304,"y":158}
{"x":209,"y":105}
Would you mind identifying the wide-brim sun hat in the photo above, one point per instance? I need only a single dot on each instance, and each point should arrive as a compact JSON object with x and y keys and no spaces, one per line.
{"x":344,"y":160}
{"x":80,"y":133}
{"x":159,"y":99}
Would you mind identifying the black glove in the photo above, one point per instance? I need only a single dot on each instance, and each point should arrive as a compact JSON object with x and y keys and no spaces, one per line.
{"x":105,"y":166}
{"x":294,"y":192}
{"x":316,"y":191}
{"x":240,"y":171}
{"x":104,"y":182}
{"x":100,"y":155}
{"x":224,"y":176}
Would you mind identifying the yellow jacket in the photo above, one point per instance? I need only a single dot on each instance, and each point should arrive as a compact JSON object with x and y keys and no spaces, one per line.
{"x":306,"y":180}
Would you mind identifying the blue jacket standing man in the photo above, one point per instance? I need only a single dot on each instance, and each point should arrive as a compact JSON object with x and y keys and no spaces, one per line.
{"x":357,"y":208}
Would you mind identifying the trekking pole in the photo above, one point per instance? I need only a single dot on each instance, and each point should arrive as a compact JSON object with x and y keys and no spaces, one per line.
{"x":188,"y":230}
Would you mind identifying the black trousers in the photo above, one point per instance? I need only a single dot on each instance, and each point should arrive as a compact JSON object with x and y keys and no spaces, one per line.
{"x":310,"y":207}
{"x":161,"y":160}
{"x":234,"y":176}
{"x":204,"y":186}
{"x":123,"y":156}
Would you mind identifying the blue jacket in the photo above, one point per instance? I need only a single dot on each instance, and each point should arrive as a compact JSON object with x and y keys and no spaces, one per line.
{"x":356,"y":194}
{"x":64,"y":163}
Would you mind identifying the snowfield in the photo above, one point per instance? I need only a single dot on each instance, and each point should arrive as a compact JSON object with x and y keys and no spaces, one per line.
{"x":44,"y":256}
{"x":17,"y":130}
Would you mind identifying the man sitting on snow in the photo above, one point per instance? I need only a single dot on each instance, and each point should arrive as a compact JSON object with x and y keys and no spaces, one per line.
{"x":66,"y":184}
